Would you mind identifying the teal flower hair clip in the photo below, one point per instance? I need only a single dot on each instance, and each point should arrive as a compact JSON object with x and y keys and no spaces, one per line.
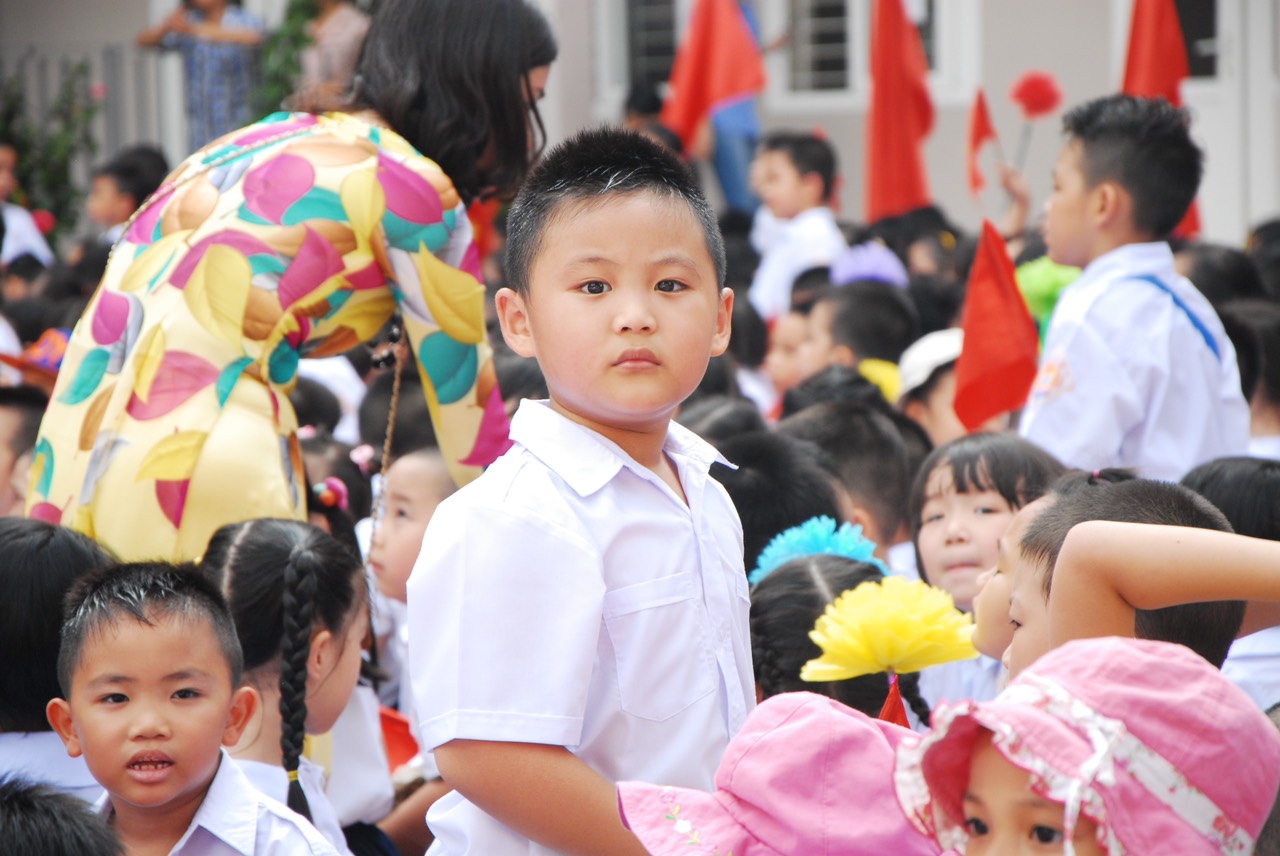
{"x":816,"y":536}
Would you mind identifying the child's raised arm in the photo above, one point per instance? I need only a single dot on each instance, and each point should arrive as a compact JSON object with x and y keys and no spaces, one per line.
{"x":1106,"y":571}
{"x":543,"y":792}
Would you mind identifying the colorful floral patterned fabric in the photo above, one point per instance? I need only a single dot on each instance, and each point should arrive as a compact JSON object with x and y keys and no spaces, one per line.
{"x":297,"y":236}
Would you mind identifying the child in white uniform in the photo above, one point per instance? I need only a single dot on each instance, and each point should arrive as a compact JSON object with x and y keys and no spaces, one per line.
{"x":579,"y":613}
{"x":1137,"y":370}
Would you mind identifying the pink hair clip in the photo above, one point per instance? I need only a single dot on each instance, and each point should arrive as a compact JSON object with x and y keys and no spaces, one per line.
{"x":332,"y":492}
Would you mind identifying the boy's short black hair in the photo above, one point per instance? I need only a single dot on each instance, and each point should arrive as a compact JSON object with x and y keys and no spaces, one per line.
{"x":38,"y":819}
{"x":867,"y":454}
{"x":873,"y":319}
{"x":41,"y":562}
{"x":1142,"y":144}
{"x":143,"y":592}
{"x":137,"y":172}
{"x":1262,"y":317}
{"x":779,"y":482}
{"x":808,"y":153}
{"x":836,"y":382}
{"x":592,"y":166}
{"x":1207,"y":628}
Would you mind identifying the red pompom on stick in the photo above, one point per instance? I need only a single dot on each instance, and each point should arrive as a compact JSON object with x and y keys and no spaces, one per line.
{"x":44,"y":221}
{"x":1037,"y":94}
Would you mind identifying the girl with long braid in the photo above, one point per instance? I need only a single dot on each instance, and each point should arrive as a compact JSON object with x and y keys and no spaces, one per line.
{"x":301,"y":611}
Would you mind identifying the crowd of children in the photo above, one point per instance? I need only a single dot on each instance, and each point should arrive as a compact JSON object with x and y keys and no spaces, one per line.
{"x":717,"y":430}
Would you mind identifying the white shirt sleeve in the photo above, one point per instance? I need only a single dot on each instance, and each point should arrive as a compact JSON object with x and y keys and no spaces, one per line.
{"x":504,"y":615}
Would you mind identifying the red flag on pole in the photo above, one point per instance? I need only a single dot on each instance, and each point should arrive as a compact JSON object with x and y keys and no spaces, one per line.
{"x":1155,"y":67}
{"x":1001,"y":345}
{"x":981,"y":131}
{"x":717,"y":60}
{"x":900,"y":117}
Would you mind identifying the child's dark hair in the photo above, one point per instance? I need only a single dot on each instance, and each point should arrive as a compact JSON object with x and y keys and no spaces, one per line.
{"x":41,"y":562}
{"x":281,"y":578}
{"x":1223,"y":273}
{"x":873,"y":319}
{"x":136,"y":171}
{"x":1263,"y":318}
{"x":1142,"y":144}
{"x":834,"y":383}
{"x":451,"y":78}
{"x":1207,"y":628}
{"x":867,"y":454}
{"x":779,"y":482}
{"x":1017,"y":469}
{"x":1245,"y":490}
{"x":328,"y":456}
{"x":718,"y":418}
{"x":30,"y":403}
{"x":413,"y":426}
{"x":142,"y":592}
{"x":592,"y":166}
{"x":808,"y":153}
{"x":315,"y":405}
{"x":784,"y":607}
{"x":41,"y":820}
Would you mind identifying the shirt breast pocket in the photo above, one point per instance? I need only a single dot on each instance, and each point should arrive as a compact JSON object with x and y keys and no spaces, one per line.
{"x":664,"y":660}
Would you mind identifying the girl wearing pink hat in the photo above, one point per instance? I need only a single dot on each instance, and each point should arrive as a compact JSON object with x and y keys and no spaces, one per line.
{"x":1115,"y":746}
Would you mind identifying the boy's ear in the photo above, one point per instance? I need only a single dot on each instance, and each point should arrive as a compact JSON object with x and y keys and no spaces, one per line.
{"x":1111,"y":203}
{"x":724,"y":322}
{"x":814,"y":188}
{"x":244,"y":703}
{"x":58,"y":712}
{"x":513,"y":317}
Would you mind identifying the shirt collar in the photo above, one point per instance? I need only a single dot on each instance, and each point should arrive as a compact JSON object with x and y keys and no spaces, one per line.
{"x":1154,"y":256}
{"x":586,"y":460}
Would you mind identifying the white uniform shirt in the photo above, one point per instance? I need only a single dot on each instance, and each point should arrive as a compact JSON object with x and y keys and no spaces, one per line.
{"x":359,"y":787}
{"x":41,"y":757}
{"x":22,"y":235}
{"x":1128,"y":380}
{"x":568,"y":597}
{"x":808,"y":240}
{"x":1253,"y":664}
{"x":272,"y":780}
{"x":236,"y":819}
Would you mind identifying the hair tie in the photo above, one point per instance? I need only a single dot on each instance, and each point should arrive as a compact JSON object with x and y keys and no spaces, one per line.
{"x":331,"y":493}
{"x":816,"y":536}
{"x":293,"y":775}
{"x":306,"y":432}
{"x":361,"y":456}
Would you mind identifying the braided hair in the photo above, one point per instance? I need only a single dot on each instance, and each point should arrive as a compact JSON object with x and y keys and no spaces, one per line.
{"x":276,"y":610}
{"x":784,"y":607}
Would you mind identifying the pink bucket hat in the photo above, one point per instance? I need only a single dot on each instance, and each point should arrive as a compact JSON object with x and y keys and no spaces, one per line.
{"x":806,"y":775}
{"x":1144,"y":738}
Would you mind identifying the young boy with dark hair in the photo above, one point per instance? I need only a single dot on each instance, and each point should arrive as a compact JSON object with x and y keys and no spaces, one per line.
{"x":864,"y":320}
{"x":600,"y":630}
{"x":21,"y":409}
{"x":1207,"y":628}
{"x":150,"y":668}
{"x":120,"y":185}
{"x":37,"y":819}
{"x":794,"y":177}
{"x":1136,"y":369}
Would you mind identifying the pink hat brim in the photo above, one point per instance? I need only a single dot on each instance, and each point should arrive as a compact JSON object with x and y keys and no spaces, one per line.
{"x":671,"y":821}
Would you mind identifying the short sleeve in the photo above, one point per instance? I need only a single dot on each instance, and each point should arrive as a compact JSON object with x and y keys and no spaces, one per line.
{"x":504,"y":614}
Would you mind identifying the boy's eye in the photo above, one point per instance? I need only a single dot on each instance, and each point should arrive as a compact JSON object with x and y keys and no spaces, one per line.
{"x":671,"y":285}
{"x":975,"y":826}
{"x":595,"y":286}
{"x":186,"y":694}
{"x":114,"y":698}
{"x":1045,"y":835}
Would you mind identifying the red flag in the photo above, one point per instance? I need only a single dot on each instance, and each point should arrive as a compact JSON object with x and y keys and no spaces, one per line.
{"x":1001,"y":345}
{"x":900,"y":118}
{"x":981,"y":130}
{"x":718,"y":60}
{"x":1155,"y":67}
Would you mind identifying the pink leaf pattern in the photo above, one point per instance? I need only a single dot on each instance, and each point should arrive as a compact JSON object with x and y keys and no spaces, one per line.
{"x":315,"y":262}
{"x":180,"y":376}
{"x":271,"y":188}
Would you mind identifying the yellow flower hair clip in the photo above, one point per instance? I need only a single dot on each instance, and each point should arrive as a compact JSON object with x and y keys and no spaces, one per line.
{"x":894,"y":625}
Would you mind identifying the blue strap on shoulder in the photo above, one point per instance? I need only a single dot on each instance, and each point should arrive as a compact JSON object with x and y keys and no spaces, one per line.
{"x":1191,"y":316}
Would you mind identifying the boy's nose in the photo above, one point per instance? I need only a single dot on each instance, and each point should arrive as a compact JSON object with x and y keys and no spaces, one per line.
{"x":149,"y":725}
{"x":635,"y":316}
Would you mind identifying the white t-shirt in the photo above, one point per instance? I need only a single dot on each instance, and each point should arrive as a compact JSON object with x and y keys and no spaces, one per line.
{"x":808,"y":240}
{"x":1253,"y":664}
{"x":1129,"y":377}
{"x":236,"y":819}
{"x":22,"y":235}
{"x":272,"y":780}
{"x":569,"y":597}
{"x":41,"y":757}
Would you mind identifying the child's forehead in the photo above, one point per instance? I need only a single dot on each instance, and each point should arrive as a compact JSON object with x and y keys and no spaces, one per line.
{"x":576,"y":225}
{"x":120,"y":642}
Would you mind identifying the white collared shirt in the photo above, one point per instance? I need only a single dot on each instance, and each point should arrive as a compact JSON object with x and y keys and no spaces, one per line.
{"x":236,"y":819}
{"x":41,"y":757}
{"x":808,"y":240}
{"x":1127,"y":379}
{"x":272,"y":780}
{"x":569,"y":597}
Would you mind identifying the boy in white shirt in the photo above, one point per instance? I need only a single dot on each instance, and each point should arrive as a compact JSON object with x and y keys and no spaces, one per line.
{"x":579,"y":613}
{"x":1137,"y":370}
{"x":150,"y":668}
{"x":795,"y":177}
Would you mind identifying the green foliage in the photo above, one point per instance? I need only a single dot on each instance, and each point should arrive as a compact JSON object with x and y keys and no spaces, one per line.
{"x":281,"y":65}
{"x":48,"y":145}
